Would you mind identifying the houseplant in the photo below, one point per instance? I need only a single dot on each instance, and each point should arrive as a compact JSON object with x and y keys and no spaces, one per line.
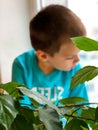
{"x":45,"y":116}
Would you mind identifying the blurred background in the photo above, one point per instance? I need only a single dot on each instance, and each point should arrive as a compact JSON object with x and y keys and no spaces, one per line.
{"x":14,"y":32}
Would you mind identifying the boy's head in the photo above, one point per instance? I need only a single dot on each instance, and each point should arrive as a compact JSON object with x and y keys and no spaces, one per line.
{"x":53,"y":26}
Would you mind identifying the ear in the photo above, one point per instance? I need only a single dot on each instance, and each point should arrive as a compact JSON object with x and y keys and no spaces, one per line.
{"x":42,"y":56}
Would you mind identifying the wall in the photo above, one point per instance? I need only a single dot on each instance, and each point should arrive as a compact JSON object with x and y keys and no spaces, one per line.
{"x":14,"y":32}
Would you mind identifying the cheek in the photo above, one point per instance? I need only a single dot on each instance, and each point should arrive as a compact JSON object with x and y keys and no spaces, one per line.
{"x":63,"y":64}
{"x":68,"y":62}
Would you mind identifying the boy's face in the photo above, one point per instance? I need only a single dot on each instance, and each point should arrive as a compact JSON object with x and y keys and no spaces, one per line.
{"x":66,"y":58}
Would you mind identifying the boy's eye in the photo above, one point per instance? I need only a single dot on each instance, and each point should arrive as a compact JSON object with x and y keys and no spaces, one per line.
{"x":70,"y":58}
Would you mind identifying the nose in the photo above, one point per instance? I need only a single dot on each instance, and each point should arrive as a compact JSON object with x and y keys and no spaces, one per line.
{"x":76,"y":59}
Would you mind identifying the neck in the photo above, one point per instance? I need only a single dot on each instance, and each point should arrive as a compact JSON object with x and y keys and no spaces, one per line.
{"x":45,"y":67}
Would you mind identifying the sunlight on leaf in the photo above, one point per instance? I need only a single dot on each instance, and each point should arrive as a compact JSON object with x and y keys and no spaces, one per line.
{"x":38,"y":98}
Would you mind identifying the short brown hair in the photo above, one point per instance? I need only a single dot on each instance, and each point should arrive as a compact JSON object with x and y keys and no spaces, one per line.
{"x":51,"y":24}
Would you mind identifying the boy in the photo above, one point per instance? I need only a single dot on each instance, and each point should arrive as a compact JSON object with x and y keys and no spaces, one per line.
{"x":49,"y":67}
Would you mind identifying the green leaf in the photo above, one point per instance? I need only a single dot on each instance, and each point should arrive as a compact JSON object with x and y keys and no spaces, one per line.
{"x":11,"y":88}
{"x":89,"y":114}
{"x":71,"y":100}
{"x":7,"y":111}
{"x":2,"y":127}
{"x":85,"y":74}
{"x":96,"y":115}
{"x":39,"y":127}
{"x":76,"y":124}
{"x":29,"y":120}
{"x":83,"y":128}
{"x":50,"y":118}
{"x":95,"y":126}
{"x":38,"y":98}
{"x":30,"y":115}
{"x":85,"y":43}
{"x":20,"y":123}
{"x":35,"y":103}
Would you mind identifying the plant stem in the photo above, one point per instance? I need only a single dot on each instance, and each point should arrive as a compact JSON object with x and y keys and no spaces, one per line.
{"x":80,"y":117}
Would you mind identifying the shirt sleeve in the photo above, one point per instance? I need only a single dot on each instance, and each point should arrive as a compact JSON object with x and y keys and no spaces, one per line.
{"x":17,"y":72}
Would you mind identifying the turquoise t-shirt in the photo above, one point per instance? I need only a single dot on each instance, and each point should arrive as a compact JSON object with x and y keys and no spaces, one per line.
{"x":54,"y":86}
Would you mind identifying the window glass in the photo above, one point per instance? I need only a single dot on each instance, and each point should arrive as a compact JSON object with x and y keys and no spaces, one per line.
{"x":47,"y":2}
{"x":87,"y":10}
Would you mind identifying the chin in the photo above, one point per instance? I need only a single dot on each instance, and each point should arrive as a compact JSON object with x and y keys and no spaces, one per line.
{"x":72,"y":67}
{"x":67,"y":69}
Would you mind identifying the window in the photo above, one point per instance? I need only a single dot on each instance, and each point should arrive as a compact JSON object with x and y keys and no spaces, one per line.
{"x":47,"y":2}
{"x":87,"y":11}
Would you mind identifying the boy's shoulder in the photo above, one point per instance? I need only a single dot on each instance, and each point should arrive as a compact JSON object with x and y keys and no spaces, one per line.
{"x":26,"y":55}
